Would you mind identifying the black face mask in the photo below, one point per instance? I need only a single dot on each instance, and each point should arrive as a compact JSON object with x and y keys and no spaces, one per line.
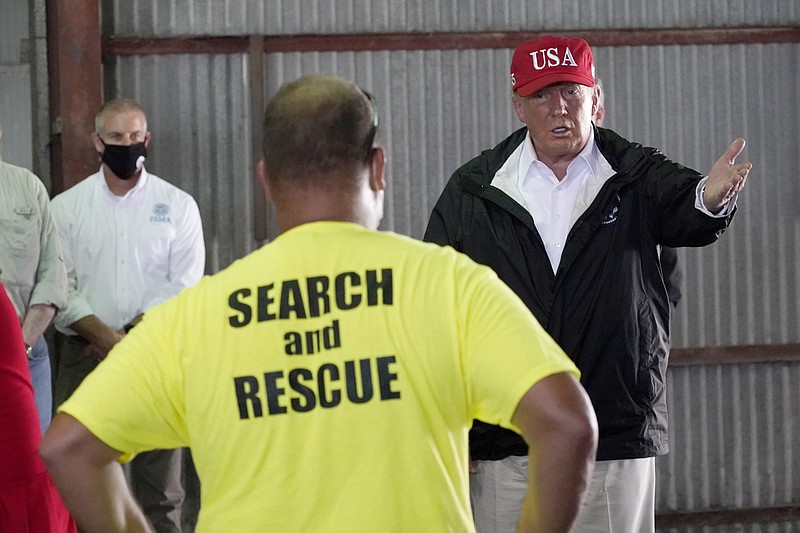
{"x":122,"y":159}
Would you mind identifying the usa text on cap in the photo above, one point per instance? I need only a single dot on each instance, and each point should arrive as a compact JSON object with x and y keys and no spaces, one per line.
{"x":551,"y":59}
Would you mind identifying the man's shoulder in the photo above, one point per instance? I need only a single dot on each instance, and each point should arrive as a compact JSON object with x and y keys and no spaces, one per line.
{"x":7,"y":169}
{"x":405,"y":246}
{"x":18,"y":176}
{"x":346,"y":241}
{"x":157,"y":182}
{"x":76,"y":191}
{"x":480,"y":170}
{"x":431,"y":255}
{"x":624,"y":155}
{"x":160,"y":185}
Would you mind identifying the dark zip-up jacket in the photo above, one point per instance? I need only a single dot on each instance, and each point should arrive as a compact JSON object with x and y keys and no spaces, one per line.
{"x":606,"y":306}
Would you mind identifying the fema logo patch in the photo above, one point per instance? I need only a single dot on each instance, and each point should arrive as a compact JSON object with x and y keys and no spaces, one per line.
{"x":611,"y":217}
{"x":160,"y":213}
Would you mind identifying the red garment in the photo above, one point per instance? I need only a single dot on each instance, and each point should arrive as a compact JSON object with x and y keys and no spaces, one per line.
{"x":29,"y":502}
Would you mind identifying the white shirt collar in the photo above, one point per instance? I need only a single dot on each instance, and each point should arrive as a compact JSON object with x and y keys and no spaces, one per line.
{"x":589,"y":155}
{"x":140,"y":183}
{"x":509,"y":176}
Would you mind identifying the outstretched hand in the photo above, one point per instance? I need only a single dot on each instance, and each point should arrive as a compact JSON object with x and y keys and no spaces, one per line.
{"x":726,"y":178}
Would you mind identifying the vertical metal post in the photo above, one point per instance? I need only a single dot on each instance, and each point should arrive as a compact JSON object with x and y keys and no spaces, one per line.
{"x":73,"y":34}
{"x":257,"y":102}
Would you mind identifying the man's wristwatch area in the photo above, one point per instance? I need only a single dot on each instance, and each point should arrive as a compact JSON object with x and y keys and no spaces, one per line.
{"x":28,"y":349}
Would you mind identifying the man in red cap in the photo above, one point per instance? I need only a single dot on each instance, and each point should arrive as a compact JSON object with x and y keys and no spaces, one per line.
{"x":571,"y":217}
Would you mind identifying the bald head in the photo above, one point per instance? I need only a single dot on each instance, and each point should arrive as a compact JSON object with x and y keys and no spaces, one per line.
{"x":319,"y":159}
{"x":115,"y":107}
{"x":316,"y":130}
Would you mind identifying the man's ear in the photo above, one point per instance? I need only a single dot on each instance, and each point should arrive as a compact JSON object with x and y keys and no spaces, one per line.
{"x":377,"y":164}
{"x":98,"y":144}
{"x":517,"y":105}
{"x":598,"y":111}
{"x":261,"y":172}
{"x":147,"y":137}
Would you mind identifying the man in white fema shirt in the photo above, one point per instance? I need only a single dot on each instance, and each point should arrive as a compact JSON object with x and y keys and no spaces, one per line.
{"x":131,"y":241}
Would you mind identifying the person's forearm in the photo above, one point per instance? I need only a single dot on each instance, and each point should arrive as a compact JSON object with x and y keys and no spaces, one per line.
{"x":556,"y":483}
{"x":91,"y":328}
{"x":99,"y":335}
{"x":99,"y":500}
{"x":37,"y":318}
{"x":90,"y":480}
{"x":557,"y":421}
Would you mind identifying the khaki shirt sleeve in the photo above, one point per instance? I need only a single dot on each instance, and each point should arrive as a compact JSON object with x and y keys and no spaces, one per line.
{"x":51,"y":275}
{"x":31,"y":266}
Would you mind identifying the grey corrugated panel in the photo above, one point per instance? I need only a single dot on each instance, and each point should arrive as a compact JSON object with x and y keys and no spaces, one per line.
{"x":40,"y":94}
{"x":764,"y":527}
{"x":15,"y":115}
{"x":235,"y":17}
{"x":734,"y":438}
{"x":13,"y":30}
{"x":440,"y":108}
{"x":437,"y":109}
{"x":691,"y":101}
{"x":197,"y":109}
{"x":15,"y":84}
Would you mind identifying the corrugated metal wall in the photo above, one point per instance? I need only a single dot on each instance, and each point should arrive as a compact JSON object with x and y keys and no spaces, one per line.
{"x":276,"y":17}
{"x":15,"y":85}
{"x":734,"y":433}
{"x":734,"y":439}
{"x":691,"y":101}
{"x":439,"y":108}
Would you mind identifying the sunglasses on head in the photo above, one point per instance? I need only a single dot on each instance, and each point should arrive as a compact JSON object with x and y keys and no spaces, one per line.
{"x":375,"y":122}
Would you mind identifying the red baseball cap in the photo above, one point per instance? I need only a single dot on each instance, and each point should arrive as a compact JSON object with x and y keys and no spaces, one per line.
{"x":542,"y":62}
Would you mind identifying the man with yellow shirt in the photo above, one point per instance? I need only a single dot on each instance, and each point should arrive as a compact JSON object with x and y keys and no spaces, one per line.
{"x":327,"y":381}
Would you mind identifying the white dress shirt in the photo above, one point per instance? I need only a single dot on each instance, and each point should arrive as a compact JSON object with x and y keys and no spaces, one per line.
{"x":553,"y":204}
{"x":556,"y":205}
{"x":125,"y":254}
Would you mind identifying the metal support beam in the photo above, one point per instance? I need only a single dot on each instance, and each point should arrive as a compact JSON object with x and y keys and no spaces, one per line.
{"x":257,"y":103}
{"x":720,"y":517}
{"x":73,"y":34}
{"x":128,"y":46}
